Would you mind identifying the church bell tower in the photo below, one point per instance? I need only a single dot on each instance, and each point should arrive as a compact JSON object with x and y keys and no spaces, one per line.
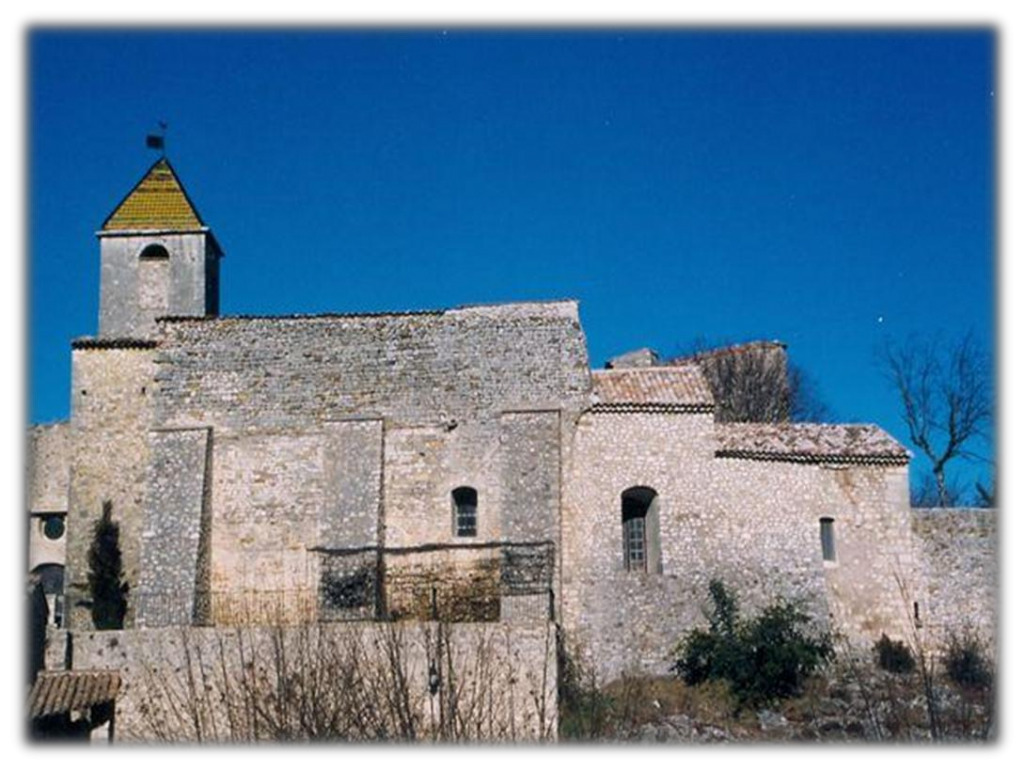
{"x":157,"y":258}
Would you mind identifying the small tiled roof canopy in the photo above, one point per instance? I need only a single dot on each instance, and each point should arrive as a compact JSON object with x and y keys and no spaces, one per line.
{"x":59,"y":692}
{"x":157,"y":202}
{"x":809,"y":442}
{"x":661,"y":389}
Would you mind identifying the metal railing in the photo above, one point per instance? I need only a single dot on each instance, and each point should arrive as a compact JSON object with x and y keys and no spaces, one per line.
{"x":480,"y":582}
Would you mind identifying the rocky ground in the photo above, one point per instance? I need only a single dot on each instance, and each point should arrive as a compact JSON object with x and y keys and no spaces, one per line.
{"x":846,"y":705}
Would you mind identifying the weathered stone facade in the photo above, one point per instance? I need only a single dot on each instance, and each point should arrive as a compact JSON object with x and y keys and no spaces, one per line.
{"x":463,"y":465}
{"x":956,"y":556}
{"x":112,"y":387}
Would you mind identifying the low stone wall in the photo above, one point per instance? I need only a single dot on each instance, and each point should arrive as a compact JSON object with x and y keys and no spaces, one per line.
{"x":957,"y":556}
{"x":359,"y":681}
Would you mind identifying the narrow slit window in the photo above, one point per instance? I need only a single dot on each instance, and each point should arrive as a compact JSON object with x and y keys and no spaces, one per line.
{"x":828,"y":539}
{"x":464,"y":501}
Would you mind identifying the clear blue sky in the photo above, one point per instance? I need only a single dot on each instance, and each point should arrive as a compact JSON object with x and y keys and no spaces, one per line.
{"x":822,"y":188}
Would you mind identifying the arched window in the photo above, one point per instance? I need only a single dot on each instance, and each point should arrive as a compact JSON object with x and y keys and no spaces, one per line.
{"x":828,"y":538}
{"x":641,"y":550}
{"x":464,"y":511}
{"x":154,"y":251}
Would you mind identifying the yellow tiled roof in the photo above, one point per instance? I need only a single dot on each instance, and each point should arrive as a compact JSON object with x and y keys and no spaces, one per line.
{"x":158,"y":202}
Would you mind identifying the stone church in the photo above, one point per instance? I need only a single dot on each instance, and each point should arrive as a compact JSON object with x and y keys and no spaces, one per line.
{"x":468,"y":464}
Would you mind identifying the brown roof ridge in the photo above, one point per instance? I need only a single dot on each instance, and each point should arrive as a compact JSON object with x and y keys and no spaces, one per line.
{"x":674,"y":366}
{"x":726,"y":350}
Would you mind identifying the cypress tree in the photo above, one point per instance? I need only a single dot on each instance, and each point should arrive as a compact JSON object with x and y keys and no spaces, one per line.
{"x":106,"y":582}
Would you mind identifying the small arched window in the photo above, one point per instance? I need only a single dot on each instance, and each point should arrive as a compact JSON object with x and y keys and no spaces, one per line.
{"x":641,"y":551}
{"x":464,"y":511}
{"x":154,"y":251}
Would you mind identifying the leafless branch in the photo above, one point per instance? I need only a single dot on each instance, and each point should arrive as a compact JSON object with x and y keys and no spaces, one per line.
{"x":946,"y":399}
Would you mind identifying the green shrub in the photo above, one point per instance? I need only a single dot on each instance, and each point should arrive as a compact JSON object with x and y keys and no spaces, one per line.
{"x":763,"y":659}
{"x":966,"y":662}
{"x":893,"y":656}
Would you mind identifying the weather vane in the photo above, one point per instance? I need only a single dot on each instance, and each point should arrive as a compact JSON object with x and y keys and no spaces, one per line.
{"x":156,"y":141}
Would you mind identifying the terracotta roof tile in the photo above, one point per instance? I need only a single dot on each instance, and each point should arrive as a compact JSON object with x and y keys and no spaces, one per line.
{"x":808,"y":442}
{"x":58,"y":692}
{"x":157,"y":202}
{"x":664,"y":386}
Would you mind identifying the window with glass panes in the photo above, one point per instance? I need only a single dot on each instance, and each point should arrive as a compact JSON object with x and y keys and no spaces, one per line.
{"x":635,"y":543}
{"x":464,"y":508}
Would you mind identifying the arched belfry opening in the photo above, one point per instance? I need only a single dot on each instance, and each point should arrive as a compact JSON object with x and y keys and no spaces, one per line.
{"x":641,"y":535}
{"x":154,"y":251}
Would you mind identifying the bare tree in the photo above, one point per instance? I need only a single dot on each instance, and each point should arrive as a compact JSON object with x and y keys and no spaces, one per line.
{"x":925,"y":492}
{"x":985,"y":496}
{"x":805,"y":401}
{"x":946,"y":397}
{"x":361,"y":681}
{"x":755,"y":382}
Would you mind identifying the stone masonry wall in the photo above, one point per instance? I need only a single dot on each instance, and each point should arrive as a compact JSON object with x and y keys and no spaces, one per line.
{"x":350,"y":519}
{"x":629,"y":620}
{"x":175,"y":506}
{"x":267,"y":507}
{"x":191,"y":684}
{"x":239,"y":374}
{"x":351,"y":432}
{"x":531,"y":475}
{"x":109,"y":450}
{"x":871,"y":582}
{"x":784,"y":503}
{"x":752,"y":524}
{"x":957,"y":556}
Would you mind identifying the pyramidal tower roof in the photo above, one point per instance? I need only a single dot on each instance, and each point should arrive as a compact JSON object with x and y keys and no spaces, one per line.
{"x":157,"y":202}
